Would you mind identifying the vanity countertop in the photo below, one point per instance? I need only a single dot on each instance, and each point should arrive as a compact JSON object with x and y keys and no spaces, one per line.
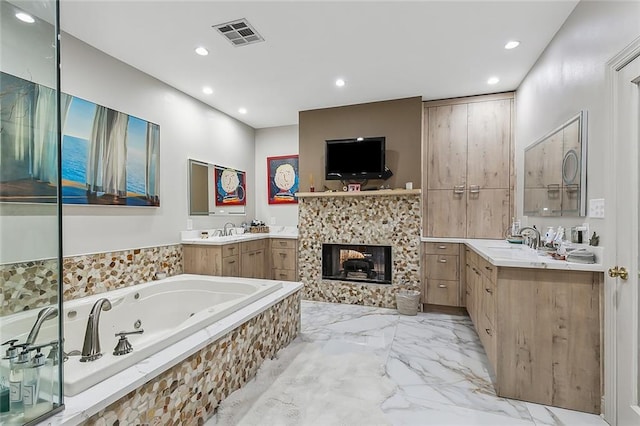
{"x":193,"y":237}
{"x":502,"y":253}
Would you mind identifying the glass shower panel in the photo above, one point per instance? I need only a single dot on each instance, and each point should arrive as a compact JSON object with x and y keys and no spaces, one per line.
{"x":30,"y":213}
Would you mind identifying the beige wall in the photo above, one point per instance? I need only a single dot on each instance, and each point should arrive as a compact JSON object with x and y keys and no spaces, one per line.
{"x":400,"y":121}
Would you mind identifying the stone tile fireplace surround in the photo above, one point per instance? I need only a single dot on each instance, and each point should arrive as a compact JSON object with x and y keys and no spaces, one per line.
{"x":377,"y":218}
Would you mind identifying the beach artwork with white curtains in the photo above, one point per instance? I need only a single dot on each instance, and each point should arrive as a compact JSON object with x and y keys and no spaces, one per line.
{"x":108,"y":157}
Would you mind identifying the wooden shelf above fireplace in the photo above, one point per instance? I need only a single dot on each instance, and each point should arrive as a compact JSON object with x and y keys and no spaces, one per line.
{"x":376,"y":193}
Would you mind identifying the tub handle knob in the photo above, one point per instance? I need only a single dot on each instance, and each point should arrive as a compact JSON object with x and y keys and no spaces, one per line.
{"x":124,"y":347}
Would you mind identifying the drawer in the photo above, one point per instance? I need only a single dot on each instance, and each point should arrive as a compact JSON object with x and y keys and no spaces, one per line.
{"x":230,"y":250}
{"x":487,"y":333}
{"x":441,"y":248}
{"x":471,"y":256}
{"x":441,"y":292}
{"x":441,"y":267}
{"x":231,"y":266}
{"x":284,"y":275}
{"x":283,"y":259}
{"x":255,"y":245}
{"x":489,"y":300}
{"x":488,"y":270}
{"x":282,"y":243}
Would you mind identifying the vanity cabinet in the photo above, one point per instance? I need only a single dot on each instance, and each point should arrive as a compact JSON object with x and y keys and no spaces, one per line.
{"x":468,"y":167}
{"x":440,"y":274}
{"x":547,"y":326}
{"x":212,"y":260}
{"x":284,"y":259}
{"x":252,"y":258}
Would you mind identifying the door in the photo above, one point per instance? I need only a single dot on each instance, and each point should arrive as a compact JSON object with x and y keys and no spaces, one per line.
{"x":625,"y":299}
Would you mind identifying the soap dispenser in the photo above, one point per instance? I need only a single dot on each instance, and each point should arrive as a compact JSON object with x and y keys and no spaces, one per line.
{"x":6,"y":364}
{"x":16,"y":376}
{"x":31,"y":383}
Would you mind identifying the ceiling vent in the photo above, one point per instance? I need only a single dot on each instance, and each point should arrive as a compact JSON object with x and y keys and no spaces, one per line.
{"x":239,"y":32}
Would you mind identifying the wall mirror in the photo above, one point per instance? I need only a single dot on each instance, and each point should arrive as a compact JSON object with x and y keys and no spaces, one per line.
{"x":216,"y":190}
{"x":555,"y":175}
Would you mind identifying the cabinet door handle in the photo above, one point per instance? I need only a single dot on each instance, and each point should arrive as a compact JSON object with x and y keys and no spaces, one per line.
{"x":282,"y":243}
{"x":488,"y":330}
{"x":442,"y":286}
{"x":442,"y":247}
{"x":442,"y":260}
{"x":488,"y":268}
{"x":474,"y":189}
{"x":488,"y":290}
{"x":458,"y":189}
{"x":283,"y":254}
{"x":232,"y":261}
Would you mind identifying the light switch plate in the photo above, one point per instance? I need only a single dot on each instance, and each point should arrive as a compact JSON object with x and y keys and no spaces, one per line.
{"x":596,"y":208}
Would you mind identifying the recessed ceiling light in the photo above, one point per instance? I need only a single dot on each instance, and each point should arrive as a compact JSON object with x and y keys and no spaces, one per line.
{"x":25,"y":17}
{"x":493,"y":80}
{"x":242,"y":110}
{"x":512,"y":44}
{"x":339,"y":82}
{"x":207,"y":90}
{"x":360,"y":139}
{"x":202,"y":51}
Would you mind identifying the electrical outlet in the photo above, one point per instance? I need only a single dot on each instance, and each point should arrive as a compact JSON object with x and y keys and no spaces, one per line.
{"x":596,"y":208}
{"x":189,"y":224}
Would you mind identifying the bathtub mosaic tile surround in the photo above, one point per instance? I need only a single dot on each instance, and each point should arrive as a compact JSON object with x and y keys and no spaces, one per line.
{"x":375,"y":220}
{"x":98,"y":273}
{"x":188,"y":393}
{"x":29,"y":285}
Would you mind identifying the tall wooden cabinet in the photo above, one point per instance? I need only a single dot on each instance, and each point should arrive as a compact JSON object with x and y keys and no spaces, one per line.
{"x":467,"y":166}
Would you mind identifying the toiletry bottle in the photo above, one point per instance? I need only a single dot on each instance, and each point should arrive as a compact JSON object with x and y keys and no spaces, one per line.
{"x":15,"y":382}
{"x":548,"y":236}
{"x":5,"y":370}
{"x":31,"y":384}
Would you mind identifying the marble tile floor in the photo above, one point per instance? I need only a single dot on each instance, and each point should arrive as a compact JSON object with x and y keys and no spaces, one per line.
{"x":437,"y":362}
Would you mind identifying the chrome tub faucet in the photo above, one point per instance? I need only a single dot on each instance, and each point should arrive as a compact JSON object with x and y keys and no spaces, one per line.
{"x":91,"y":348}
{"x":44,"y":315}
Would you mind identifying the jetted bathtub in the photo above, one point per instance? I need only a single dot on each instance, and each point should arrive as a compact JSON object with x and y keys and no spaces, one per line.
{"x":167,"y":310}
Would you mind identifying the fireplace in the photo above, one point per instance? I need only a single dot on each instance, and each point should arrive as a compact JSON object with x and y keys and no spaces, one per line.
{"x":357,"y":262}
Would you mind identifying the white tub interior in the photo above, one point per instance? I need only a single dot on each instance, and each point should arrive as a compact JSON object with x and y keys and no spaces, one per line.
{"x":167,"y":310}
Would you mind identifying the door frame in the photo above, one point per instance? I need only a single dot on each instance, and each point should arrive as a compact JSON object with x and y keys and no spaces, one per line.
{"x":615,"y":64}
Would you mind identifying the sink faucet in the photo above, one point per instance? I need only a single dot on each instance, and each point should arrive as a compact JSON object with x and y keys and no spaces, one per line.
{"x":91,"y":347}
{"x":532,"y":241}
{"x":44,"y":314}
{"x":225,"y":232}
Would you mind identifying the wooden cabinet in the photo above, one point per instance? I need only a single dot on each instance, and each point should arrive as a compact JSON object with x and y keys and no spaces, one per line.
{"x":252,"y":258}
{"x":275,"y":258}
{"x":468,"y":176}
{"x":212,"y":260}
{"x":284,"y":259}
{"x":547,"y":324}
{"x":440,"y":274}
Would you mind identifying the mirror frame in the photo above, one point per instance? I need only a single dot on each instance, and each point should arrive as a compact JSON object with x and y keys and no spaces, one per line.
{"x":212,"y":210}
{"x":581,"y":117}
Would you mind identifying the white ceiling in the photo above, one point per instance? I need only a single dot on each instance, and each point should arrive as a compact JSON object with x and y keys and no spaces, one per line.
{"x":383,"y":50}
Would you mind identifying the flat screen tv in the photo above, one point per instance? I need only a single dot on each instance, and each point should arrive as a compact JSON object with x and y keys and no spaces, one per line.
{"x":355,"y":158}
